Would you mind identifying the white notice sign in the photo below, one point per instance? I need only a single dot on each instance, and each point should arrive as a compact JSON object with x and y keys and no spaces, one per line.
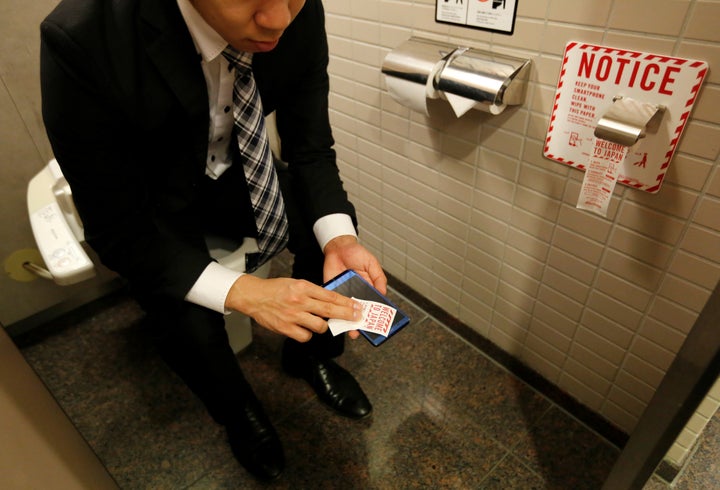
{"x":590,"y":79}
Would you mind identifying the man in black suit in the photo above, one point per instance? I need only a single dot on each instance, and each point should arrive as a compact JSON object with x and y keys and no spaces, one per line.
{"x":137,"y":105}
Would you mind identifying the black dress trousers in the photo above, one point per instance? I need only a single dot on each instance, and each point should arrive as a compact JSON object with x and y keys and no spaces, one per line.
{"x":192,"y":339}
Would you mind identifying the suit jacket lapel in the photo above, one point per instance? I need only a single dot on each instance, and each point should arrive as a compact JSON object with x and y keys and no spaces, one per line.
{"x":170,"y":47}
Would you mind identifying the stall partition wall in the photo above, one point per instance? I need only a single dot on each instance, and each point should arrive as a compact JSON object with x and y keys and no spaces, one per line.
{"x":691,"y":375}
{"x":468,"y":213}
{"x":40,"y":447}
{"x":24,"y":150}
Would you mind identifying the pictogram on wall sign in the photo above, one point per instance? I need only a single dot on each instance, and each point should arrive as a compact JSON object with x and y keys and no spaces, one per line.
{"x":488,"y":15}
{"x":593,"y":78}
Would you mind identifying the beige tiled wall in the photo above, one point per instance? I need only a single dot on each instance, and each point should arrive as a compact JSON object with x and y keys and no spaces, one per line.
{"x":470,"y":214}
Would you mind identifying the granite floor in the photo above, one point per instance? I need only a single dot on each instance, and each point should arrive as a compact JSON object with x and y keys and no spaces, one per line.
{"x":446,"y":415}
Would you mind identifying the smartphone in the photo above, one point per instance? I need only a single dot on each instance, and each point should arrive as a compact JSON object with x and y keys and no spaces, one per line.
{"x":352,"y":285}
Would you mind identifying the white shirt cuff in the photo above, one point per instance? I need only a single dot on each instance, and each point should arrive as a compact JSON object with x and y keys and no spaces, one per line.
{"x":333,"y":226}
{"x":212,"y":287}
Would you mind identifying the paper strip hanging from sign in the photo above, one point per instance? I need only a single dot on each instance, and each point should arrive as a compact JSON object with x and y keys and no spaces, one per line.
{"x":601,"y":176}
{"x":618,"y":130}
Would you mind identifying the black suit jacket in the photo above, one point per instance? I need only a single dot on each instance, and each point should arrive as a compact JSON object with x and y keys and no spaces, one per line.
{"x":125,"y":107}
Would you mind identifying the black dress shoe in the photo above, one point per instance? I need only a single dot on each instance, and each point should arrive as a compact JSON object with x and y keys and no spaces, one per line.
{"x":255,"y":443}
{"x":334,"y":385}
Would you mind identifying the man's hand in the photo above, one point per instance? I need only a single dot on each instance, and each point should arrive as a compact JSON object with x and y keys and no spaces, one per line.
{"x":344,"y":252}
{"x":290,"y":307}
{"x":297,"y":308}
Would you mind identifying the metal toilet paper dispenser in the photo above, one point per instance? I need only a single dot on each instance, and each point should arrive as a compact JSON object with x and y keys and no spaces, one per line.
{"x":468,"y":78}
{"x":627,"y":120}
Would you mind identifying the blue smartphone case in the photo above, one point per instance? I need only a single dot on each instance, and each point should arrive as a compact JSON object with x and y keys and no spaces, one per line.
{"x":352,"y":285}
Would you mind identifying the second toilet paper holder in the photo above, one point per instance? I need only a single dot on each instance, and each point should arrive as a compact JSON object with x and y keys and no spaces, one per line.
{"x":492,"y":80}
{"x":628,"y":120}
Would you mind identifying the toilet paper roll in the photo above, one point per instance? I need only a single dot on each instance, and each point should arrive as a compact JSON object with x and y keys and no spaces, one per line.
{"x":407,"y":93}
{"x":430,"y":90}
{"x":411,"y":94}
{"x":601,"y":175}
{"x":493,"y":109}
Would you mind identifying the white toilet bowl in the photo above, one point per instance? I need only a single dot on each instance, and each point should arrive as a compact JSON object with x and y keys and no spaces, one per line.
{"x":59,"y":236}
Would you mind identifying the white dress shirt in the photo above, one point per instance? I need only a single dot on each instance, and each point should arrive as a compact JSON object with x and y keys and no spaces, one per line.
{"x":212,"y":287}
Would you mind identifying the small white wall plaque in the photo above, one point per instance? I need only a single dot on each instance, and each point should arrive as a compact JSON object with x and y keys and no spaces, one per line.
{"x":488,"y":15}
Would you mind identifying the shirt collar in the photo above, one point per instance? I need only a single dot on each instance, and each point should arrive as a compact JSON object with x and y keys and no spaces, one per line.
{"x":207,"y":41}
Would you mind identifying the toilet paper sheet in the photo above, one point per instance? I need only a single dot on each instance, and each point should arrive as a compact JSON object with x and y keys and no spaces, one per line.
{"x":461,"y":105}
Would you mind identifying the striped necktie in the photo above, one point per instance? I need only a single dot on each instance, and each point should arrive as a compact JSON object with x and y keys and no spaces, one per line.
{"x":262,"y":180}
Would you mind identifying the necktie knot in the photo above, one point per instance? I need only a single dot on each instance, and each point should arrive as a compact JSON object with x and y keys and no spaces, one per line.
{"x":241,"y":61}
